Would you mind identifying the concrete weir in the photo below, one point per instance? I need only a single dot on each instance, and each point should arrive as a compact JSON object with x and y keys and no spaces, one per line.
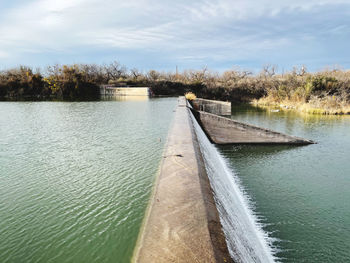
{"x":223,"y":130}
{"x":108,"y":90}
{"x":212,"y":106}
{"x":182,"y":223}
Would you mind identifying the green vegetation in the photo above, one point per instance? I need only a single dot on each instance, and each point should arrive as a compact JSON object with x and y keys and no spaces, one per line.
{"x":67,"y":83}
{"x":322,"y":92}
{"x":326,"y":92}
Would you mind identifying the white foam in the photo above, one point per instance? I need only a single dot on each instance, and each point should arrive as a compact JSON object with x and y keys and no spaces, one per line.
{"x":246,"y":240}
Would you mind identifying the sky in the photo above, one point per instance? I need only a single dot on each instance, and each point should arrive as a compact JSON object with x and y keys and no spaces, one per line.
{"x":163,"y":34}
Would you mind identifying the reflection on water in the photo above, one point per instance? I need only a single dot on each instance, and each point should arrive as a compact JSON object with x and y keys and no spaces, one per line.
{"x":301,"y":193}
{"x":124,"y":98}
{"x":290,"y":122}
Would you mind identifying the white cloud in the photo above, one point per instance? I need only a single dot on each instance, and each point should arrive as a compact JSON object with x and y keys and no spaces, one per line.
{"x":4,"y":54}
{"x":181,"y":27}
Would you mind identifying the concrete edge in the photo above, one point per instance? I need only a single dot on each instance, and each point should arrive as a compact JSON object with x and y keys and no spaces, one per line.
{"x":298,"y":140}
{"x":217,"y":237}
{"x":152,"y":199}
{"x":227,"y":103}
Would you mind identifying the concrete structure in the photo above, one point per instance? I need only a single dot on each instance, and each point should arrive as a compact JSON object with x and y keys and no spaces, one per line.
{"x":223,"y":130}
{"x":124,"y":91}
{"x":212,"y":106}
{"x":182,"y":223}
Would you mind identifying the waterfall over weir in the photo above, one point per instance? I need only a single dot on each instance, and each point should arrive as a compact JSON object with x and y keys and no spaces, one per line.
{"x":246,"y":240}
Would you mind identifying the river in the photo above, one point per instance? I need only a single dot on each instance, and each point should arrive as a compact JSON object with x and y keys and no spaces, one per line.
{"x":75,"y":177}
{"x":300,"y":194}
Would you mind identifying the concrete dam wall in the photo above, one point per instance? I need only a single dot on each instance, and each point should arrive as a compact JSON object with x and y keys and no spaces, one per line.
{"x":212,"y":106}
{"x":124,"y":91}
{"x":223,"y":130}
{"x":182,"y":223}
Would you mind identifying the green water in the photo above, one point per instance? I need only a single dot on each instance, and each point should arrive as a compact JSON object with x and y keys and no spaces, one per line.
{"x":75,"y":177}
{"x":302,"y":194}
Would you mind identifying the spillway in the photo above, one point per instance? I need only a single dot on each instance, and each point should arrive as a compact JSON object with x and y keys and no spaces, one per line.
{"x":198,"y":212}
{"x":246,"y":241}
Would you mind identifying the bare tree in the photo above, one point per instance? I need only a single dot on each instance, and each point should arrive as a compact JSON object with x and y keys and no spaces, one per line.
{"x":269,"y":70}
{"x":135,"y":73}
{"x":115,"y":70}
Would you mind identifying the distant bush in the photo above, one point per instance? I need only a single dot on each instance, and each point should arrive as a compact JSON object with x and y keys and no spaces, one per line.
{"x":75,"y":82}
{"x":72,"y":83}
{"x":190,"y":96}
{"x":20,"y":83}
{"x":327,"y":92}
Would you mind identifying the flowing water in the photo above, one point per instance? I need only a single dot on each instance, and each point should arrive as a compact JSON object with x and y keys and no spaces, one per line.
{"x":300,"y":194}
{"x":75,"y":177}
{"x":245,"y":239}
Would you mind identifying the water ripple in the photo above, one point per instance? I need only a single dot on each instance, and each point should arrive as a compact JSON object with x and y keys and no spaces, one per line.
{"x":75,"y":177}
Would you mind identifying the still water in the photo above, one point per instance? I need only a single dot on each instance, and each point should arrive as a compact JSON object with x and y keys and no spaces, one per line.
{"x":75,"y":177}
{"x":301,"y":194}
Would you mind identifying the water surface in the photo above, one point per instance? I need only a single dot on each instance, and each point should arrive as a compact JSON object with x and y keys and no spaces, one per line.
{"x":301,"y":193}
{"x":75,"y":177}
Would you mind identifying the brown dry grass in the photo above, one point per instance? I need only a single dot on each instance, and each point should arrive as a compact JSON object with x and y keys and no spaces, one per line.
{"x":326,"y":92}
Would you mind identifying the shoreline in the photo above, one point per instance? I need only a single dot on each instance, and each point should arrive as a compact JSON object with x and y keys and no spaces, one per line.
{"x":307,"y":108}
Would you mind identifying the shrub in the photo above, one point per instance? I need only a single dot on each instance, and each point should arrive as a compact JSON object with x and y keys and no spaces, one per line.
{"x":190,"y":96}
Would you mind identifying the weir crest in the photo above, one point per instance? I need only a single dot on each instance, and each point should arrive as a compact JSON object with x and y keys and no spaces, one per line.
{"x":198,"y":211}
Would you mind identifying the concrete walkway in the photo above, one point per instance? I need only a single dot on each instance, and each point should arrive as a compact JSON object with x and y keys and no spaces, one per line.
{"x":182,"y":222}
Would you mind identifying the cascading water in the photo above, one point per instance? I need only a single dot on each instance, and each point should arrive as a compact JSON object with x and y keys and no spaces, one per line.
{"x":246,"y":240}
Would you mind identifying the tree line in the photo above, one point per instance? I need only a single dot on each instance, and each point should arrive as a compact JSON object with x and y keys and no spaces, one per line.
{"x":81,"y":82}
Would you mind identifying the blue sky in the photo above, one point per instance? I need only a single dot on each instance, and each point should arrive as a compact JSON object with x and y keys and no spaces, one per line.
{"x":163,"y":34}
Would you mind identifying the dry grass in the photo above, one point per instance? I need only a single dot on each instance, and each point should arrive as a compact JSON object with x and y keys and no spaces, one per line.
{"x":326,"y":92}
{"x":190,"y":96}
{"x":328,"y":105}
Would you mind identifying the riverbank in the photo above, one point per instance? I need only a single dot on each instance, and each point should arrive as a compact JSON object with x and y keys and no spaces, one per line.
{"x":326,"y":106}
{"x":324,"y":92}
